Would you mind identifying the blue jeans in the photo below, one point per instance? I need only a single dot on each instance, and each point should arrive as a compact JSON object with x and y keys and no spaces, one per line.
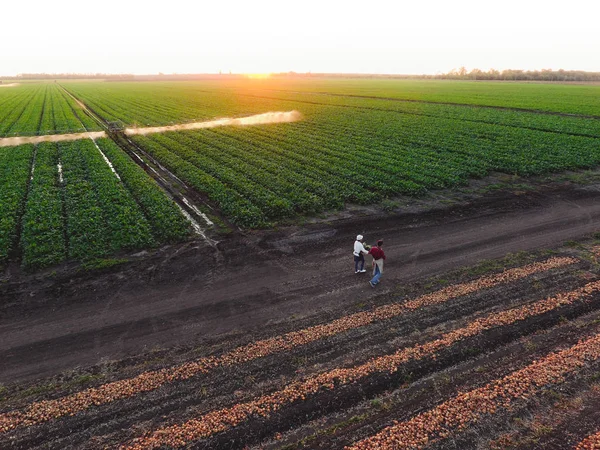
{"x":360,"y":258}
{"x":377,"y":276}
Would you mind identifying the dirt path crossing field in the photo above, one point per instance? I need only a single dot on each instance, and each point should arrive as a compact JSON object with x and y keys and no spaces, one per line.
{"x":20,"y":140}
{"x":262,"y":278}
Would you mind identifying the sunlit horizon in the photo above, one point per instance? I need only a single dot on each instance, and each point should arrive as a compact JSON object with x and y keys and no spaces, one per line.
{"x":265,"y":36}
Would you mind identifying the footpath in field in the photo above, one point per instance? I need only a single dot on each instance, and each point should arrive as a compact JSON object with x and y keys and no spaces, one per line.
{"x":456,"y":358}
{"x":16,"y":140}
{"x":258,"y":119}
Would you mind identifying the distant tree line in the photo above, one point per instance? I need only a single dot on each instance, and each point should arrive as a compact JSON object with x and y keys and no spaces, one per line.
{"x":520,"y":75}
{"x":455,"y":74}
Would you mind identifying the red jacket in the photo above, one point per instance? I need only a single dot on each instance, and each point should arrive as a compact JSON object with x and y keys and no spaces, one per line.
{"x":377,"y":253}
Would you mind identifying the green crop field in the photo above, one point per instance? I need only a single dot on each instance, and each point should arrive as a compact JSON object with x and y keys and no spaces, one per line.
{"x":62,"y":202}
{"x":564,"y":98}
{"x":34,"y":109}
{"x":360,"y":141}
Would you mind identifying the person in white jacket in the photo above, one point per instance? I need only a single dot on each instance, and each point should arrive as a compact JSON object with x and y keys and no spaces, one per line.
{"x":359,"y":254}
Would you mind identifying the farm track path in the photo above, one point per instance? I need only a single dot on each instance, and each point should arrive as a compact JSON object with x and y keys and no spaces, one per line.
{"x":20,"y":140}
{"x":265,"y":278}
{"x":257,"y":119}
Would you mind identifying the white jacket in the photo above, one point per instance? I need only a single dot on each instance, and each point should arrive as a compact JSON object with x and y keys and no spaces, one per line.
{"x":359,"y":248}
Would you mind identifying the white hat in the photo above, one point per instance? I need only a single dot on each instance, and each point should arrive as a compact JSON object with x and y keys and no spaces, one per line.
{"x":359,"y":237}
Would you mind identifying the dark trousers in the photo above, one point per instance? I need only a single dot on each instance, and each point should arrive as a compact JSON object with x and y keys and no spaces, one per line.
{"x":359,"y":259}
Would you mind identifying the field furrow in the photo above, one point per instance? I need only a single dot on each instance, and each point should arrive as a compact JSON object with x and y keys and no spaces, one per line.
{"x":15,"y":172}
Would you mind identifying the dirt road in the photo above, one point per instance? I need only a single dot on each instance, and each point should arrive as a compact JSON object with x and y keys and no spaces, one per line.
{"x":20,"y":140}
{"x":196,"y":294}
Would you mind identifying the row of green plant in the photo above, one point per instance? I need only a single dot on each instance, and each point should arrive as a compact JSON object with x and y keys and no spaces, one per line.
{"x":352,"y":147}
{"x":43,"y":240}
{"x":166,"y":221}
{"x":159,"y":103}
{"x":473,"y":113}
{"x":60,"y":111}
{"x":78,"y":209}
{"x":102,"y":217}
{"x":151,"y":104}
{"x":57,"y":116}
{"x":262,"y":174}
{"x":237,"y":208}
{"x":15,"y":168}
{"x":72,"y":110}
{"x":12,"y":104}
{"x":40,"y":109}
{"x":486,"y":146}
{"x":22,"y":116}
{"x":583,"y":99}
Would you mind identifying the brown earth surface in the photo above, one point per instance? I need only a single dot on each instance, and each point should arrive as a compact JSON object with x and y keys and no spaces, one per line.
{"x":189,"y":293}
{"x":192,"y":345}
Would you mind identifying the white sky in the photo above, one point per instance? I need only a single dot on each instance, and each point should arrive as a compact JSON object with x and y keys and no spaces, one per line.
{"x":246,"y":36}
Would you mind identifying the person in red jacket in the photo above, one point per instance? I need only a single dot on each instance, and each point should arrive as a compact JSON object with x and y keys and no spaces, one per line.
{"x":378,"y":258}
